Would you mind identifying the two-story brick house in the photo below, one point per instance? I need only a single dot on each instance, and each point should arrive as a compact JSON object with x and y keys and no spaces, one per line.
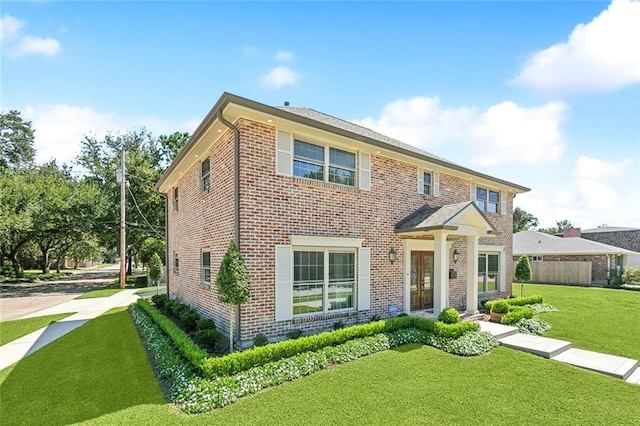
{"x":335,"y":221}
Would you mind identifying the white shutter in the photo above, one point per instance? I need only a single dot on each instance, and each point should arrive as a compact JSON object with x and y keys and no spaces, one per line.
{"x":284,"y":153}
{"x":502,"y":272}
{"x":364,"y":278}
{"x":284,"y":283}
{"x":503,"y":203}
{"x":420,"y":181}
{"x":365,"y":171}
{"x":472,"y":194}
{"x":436,"y":184}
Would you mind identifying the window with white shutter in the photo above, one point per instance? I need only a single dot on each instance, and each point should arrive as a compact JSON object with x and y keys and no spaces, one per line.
{"x":284,"y":283}
{"x":365,"y":171}
{"x":284,"y":153}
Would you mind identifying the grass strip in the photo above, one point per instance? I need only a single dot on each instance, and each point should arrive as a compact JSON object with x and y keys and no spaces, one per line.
{"x":105,"y":292}
{"x":14,"y":329}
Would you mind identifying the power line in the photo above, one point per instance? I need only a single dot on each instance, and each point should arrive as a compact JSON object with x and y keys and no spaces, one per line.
{"x":135,"y":203}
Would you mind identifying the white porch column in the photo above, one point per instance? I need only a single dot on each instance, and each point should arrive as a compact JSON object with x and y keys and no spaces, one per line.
{"x":472,"y":274}
{"x":440,"y":273}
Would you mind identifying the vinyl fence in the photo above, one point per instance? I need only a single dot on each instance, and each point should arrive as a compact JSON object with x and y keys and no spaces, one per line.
{"x":561,"y":272}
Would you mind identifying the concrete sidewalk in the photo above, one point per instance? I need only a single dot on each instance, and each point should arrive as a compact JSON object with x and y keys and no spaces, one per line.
{"x":560,"y":350}
{"x":86,"y":309}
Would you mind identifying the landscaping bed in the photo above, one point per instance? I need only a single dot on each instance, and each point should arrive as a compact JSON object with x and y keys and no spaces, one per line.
{"x":198,"y":382}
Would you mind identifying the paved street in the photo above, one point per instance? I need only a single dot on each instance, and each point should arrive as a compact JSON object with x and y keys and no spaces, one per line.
{"x":17,"y":300}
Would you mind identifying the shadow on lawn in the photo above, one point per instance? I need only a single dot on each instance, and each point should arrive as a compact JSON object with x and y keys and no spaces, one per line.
{"x":407,"y":348}
{"x":97,"y":369}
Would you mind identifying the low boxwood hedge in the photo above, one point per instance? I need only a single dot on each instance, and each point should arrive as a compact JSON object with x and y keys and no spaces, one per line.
{"x":183,"y":342}
{"x":515,"y":314}
{"x":516,"y":301}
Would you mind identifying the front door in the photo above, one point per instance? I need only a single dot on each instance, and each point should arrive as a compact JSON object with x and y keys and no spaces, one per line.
{"x":421,"y":280}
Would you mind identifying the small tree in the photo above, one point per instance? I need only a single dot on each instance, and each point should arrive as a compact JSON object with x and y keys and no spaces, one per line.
{"x":233,"y":284}
{"x":155,"y":269}
{"x":523,"y":271}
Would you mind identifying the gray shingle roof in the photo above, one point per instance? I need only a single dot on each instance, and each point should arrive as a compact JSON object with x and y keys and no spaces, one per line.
{"x":359,"y":130}
{"x":432,"y":217}
{"x":539,"y":243}
{"x":608,"y":229}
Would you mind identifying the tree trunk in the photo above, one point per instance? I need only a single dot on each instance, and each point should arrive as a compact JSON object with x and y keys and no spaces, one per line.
{"x":129,"y":259}
{"x":231,"y":328}
{"x":45,"y":261}
{"x":17,"y":268}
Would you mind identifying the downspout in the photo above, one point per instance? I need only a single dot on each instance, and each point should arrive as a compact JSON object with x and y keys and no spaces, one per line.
{"x":236,"y":196}
{"x":166,"y":238}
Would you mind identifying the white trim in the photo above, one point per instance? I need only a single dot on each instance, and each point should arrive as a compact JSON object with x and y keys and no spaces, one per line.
{"x":503,"y":203}
{"x":420,"y":187}
{"x":489,"y":247}
{"x":435,"y":184}
{"x":283,"y":282}
{"x":364,"y":279}
{"x":284,"y":153}
{"x":364,"y":173}
{"x":311,"y":241}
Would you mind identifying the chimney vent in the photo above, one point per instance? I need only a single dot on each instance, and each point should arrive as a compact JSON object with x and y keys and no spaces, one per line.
{"x":286,"y":103}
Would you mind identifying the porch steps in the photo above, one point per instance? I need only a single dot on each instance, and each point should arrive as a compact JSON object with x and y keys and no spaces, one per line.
{"x":471,"y":317}
{"x":537,"y":345}
{"x":634,"y":378}
{"x":559,"y":350}
{"x":611,"y":365}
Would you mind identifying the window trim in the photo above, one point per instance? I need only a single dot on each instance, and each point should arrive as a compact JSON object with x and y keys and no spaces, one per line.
{"x":499,"y":275}
{"x":325,"y":285}
{"x":202,"y":267}
{"x":424,"y":183}
{"x":485,"y":200}
{"x":326,"y":163}
{"x":176,"y":263}
{"x":537,"y":258}
{"x":206,"y":176}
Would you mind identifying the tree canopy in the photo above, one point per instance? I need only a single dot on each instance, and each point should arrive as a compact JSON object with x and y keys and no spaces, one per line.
{"x":523,"y":221}
{"x":16,"y":141}
{"x":561,"y":225}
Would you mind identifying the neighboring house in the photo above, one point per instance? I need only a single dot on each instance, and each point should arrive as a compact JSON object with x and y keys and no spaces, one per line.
{"x":626,"y":238}
{"x":570,"y":259}
{"x":335,"y":222}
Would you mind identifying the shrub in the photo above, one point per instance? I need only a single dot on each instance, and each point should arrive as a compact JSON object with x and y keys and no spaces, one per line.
{"x":449,"y":316}
{"x":205,"y":324}
{"x":514,"y":301}
{"x":183,"y":342}
{"x":515,"y":314}
{"x":532,"y":326}
{"x":635,"y":287}
{"x":160,"y":300}
{"x":338,"y":325}
{"x":260,"y":340}
{"x":294,"y":333}
{"x":375,"y":317}
{"x":141,"y":281}
{"x":500,"y":306}
{"x":207,"y":336}
{"x":189,"y":317}
{"x":631,"y":275}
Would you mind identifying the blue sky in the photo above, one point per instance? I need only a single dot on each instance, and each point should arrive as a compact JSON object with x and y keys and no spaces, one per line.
{"x":545,"y":94}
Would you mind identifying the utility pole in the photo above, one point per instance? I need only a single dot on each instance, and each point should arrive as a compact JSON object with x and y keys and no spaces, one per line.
{"x":123,"y":232}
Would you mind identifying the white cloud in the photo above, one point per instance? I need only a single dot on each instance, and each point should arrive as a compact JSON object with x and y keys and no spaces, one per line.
{"x":503,"y":134}
{"x":280,"y":76}
{"x":9,"y":27}
{"x":601,"y":55}
{"x":593,"y":168}
{"x":31,"y":45}
{"x":284,"y":55}
{"x":60,"y":128}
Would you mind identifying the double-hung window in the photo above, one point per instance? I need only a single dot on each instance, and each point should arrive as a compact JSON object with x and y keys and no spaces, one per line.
{"x":426,"y":183}
{"x":487,"y":200}
{"x":176,"y":262}
{"x":323,"y":281}
{"x":175,"y":199}
{"x":206,"y":175}
{"x":488,"y":272}
{"x":325,"y":164}
{"x":206,"y":267}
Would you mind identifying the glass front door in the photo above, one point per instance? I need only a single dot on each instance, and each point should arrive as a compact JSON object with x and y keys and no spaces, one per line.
{"x":421,"y":289}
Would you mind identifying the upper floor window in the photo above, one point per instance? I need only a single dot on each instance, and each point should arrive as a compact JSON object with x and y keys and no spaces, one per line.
{"x":206,"y":267}
{"x":175,"y":199}
{"x":312,"y":162}
{"x":487,"y":200}
{"x":206,"y":172}
{"x":426,"y":183}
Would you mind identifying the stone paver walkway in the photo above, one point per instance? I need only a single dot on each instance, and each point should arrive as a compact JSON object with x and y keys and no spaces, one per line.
{"x":86,"y":309}
{"x":560,"y":350}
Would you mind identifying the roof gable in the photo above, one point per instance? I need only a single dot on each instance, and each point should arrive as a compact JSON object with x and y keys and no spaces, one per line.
{"x":449,"y":217}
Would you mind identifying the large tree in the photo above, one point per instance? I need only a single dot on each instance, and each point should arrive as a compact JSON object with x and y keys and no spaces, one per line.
{"x":523,"y":221}
{"x":561,"y":225}
{"x":16,"y":141}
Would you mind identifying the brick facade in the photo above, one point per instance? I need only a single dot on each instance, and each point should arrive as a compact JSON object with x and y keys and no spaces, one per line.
{"x":274,"y":207}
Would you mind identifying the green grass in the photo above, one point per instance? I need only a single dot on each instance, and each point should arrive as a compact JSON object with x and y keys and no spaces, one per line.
{"x":598,"y":319}
{"x":12,"y":330}
{"x":97,"y":369}
{"x":160,"y":289}
{"x":99,"y":373}
{"x":105,"y":292}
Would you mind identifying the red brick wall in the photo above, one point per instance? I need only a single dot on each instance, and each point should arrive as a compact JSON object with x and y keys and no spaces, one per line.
{"x":273,"y":207}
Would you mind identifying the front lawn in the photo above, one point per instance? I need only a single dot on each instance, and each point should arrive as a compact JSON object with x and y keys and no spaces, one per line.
{"x":598,"y":319}
{"x":100,"y":373}
{"x":105,"y":292}
{"x":12,"y":330}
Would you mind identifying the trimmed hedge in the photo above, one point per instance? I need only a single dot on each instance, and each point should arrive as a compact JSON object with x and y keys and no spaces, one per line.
{"x":516,"y":313}
{"x":449,"y":316}
{"x":516,"y":301}
{"x":242,"y":361}
{"x":183,"y":342}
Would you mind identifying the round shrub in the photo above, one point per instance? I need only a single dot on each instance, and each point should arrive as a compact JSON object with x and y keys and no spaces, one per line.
{"x":260,"y":340}
{"x":205,"y":324}
{"x":159,"y":300}
{"x":338,"y":325}
{"x":449,"y":316}
{"x":189,"y":317}
{"x":294,"y":333}
{"x":207,"y":336}
{"x":500,"y":307}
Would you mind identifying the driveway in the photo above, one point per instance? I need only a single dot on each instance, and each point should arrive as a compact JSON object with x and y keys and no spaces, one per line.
{"x":17,"y":300}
